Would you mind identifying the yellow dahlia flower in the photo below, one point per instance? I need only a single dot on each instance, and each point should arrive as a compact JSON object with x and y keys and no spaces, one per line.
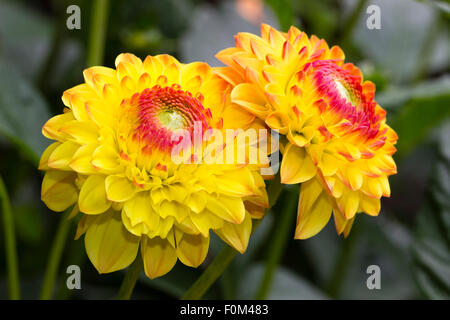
{"x":113,"y":159}
{"x":337,"y":143}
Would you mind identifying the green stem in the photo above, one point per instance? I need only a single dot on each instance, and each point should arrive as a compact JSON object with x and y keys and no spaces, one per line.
{"x":278,"y":244}
{"x":350,"y":23}
{"x":227,"y":285}
{"x":341,"y":265}
{"x":129,"y":281}
{"x":97,"y":34}
{"x":57,"y":249}
{"x":211,"y":274}
{"x":10,"y":244}
{"x":224,"y":258}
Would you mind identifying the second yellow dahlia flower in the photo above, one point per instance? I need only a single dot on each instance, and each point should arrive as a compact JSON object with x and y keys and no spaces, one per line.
{"x":337,"y":143}
{"x":112,"y":159}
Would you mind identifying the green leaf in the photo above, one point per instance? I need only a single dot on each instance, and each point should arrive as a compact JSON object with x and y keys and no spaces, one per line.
{"x":23,"y":112}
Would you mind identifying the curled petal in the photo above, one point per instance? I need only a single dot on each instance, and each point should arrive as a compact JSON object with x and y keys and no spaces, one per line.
{"x":296,"y":166}
{"x":109,"y":246}
{"x":314,"y":210}
{"x":159,"y":256}
{"x":92,"y":199}
{"x":192,"y":249}
{"x":58,"y":190}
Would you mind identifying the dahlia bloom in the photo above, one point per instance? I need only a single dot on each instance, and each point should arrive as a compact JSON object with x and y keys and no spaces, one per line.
{"x":336,"y":140}
{"x":113,"y":160}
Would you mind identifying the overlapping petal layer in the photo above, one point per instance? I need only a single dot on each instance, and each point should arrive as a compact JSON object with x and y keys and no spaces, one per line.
{"x":338,"y":144}
{"x":113,"y":159}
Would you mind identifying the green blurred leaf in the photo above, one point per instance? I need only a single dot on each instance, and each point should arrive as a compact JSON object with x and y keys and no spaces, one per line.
{"x":418,"y":117}
{"x":29,"y":224}
{"x":432,"y":246}
{"x":395,"y":97}
{"x":213,"y":28}
{"x":405,"y":39}
{"x":23,"y":112}
{"x":25,"y":37}
{"x":383,"y":242}
{"x":284,"y":10}
{"x":286,"y":285}
{"x":175,"y":283}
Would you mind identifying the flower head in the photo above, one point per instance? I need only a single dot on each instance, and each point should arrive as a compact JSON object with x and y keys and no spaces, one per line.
{"x":114,"y":159}
{"x":337,"y":144}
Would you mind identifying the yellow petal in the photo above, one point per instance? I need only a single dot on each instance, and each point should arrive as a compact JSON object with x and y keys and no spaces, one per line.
{"x":196,"y":202}
{"x":192,"y":249}
{"x":99,"y":112}
{"x":205,"y":221}
{"x":370,"y":205}
{"x":75,"y":98}
{"x":339,"y":221}
{"x":349,"y":203}
{"x":119,"y":189}
{"x":228,"y":74}
{"x":128,"y":64}
{"x":84,"y":224}
{"x":238,"y":183}
{"x":236,"y":235}
{"x":109,"y":246}
{"x":51,"y":128}
{"x":355,"y":177}
{"x":138,"y":229}
{"x":329,"y":164}
{"x":158,"y":255}
{"x":373,"y":187}
{"x":62,"y":155}
{"x":105,"y":159}
{"x":97,"y":77}
{"x":139,"y":210}
{"x":228,"y":208}
{"x":80,"y":131}
{"x":278,"y":120}
{"x":348,"y":227}
{"x":43,"y":162}
{"x":296,"y":166}
{"x":92,"y":199}
{"x":314,"y":210}
{"x":58,"y":190}
{"x":249,"y":96}
{"x":164,"y":227}
{"x":81,"y":160}
{"x":174,"y":209}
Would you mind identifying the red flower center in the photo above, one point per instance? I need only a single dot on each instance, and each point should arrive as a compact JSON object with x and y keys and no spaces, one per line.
{"x":164,"y":111}
{"x":345,"y":95}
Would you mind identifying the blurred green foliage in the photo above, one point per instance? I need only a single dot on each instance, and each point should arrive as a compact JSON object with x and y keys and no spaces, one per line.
{"x":408,"y":59}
